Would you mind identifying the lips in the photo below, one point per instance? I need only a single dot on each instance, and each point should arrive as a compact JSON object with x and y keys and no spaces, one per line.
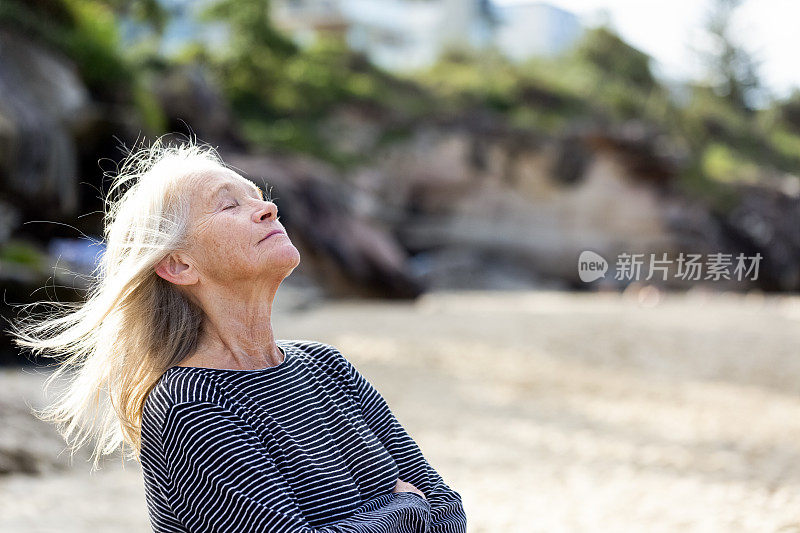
{"x":271,"y":233}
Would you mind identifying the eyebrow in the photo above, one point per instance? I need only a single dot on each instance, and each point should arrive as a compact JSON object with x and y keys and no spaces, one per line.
{"x":227,"y":187}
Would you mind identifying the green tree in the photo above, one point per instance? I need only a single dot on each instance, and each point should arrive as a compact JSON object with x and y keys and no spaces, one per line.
{"x":251,"y":27}
{"x":733,"y":70}
{"x":614,"y":58}
{"x":789,"y":111}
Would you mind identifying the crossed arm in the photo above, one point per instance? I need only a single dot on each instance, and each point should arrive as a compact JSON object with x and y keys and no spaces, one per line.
{"x":223,"y":480}
{"x":447,"y":511}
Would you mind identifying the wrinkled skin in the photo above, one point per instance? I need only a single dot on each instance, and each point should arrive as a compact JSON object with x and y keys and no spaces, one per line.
{"x":230,"y":272}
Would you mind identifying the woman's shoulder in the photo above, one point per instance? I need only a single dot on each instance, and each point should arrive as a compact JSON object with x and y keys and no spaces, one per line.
{"x":309,"y":346}
{"x":174,"y":388}
{"x":179,"y":392}
{"x":314,"y":348}
{"x":322,"y":353}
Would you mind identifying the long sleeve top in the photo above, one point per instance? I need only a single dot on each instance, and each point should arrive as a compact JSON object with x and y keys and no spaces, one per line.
{"x":308,"y":445}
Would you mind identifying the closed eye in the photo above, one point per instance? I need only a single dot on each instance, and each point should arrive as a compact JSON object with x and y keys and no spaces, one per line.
{"x":229,"y":206}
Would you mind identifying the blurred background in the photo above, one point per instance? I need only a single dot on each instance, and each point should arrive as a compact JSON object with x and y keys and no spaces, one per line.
{"x":561,"y":238}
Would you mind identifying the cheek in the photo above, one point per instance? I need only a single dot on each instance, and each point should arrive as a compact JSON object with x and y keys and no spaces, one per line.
{"x":225,"y":249}
{"x":232,"y":245}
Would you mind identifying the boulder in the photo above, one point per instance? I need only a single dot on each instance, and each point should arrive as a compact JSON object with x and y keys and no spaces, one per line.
{"x":42,"y":108}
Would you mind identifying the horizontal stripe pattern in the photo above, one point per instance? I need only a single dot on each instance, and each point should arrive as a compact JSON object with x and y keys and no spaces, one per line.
{"x":308,"y":445}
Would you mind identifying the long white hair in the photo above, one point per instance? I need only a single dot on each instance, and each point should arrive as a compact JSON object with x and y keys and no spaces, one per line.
{"x":133,"y":325}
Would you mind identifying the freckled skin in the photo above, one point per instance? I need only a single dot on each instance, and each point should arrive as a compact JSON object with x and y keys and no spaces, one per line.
{"x":230,"y":274}
{"x":225,"y":241}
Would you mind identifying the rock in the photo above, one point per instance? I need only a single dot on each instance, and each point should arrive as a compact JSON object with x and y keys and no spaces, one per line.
{"x":43,"y":100}
{"x":351,"y":129}
{"x":472,"y":189}
{"x":190,"y":98}
{"x":766,"y":220}
{"x":511,"y":196}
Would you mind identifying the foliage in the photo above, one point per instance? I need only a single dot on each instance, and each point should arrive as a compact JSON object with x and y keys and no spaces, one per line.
{"x":281,"y":92}
{"x":86,"y":32}
{"x":605,"y":80}
{"x":21,"y":252}
{"x":614,"y":59}
{"x":722,"y":163}
{"x":733,"y":70}
{"x":788,"y":112}
{"x":601,"y":77}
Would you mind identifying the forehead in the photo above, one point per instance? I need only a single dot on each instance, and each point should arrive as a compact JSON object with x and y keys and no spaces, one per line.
{"x":214,"y":184}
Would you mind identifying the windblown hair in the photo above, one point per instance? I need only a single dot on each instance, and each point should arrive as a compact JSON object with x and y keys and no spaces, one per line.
{"x":133,"y":325}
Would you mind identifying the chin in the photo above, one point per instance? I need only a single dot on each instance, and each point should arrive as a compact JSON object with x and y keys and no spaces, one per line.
{"x":285,"y":256}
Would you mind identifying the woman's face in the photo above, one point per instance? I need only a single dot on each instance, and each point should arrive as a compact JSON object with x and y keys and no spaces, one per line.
{"x":229,"y":223}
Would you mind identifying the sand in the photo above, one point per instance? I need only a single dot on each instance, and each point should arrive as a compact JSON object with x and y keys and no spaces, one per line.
{"x":546,"y":411}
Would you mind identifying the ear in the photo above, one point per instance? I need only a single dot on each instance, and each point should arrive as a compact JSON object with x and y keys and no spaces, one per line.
{"x":173,"y":269}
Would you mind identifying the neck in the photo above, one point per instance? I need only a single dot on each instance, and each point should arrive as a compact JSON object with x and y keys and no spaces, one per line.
{"x":237,"y":328}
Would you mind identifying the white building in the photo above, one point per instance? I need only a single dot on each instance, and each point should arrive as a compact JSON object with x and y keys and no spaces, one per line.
{"x":535,"y":28}
{"x":395,"y":34}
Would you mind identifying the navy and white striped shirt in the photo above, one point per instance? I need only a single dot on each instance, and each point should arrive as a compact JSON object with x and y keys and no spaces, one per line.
{"x":306,"y":446}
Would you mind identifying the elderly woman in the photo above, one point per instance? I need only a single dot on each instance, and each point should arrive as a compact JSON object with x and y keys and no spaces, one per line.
{"x":174,"y":354}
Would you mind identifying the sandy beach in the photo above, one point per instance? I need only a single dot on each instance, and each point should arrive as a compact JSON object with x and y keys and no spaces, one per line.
{"x":546,"y":411}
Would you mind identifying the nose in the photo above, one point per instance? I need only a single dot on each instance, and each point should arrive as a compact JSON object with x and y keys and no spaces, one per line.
{"x":267,"y":210}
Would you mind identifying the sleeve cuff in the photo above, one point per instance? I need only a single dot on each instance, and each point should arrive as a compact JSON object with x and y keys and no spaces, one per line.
{"x":413,"y":495}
